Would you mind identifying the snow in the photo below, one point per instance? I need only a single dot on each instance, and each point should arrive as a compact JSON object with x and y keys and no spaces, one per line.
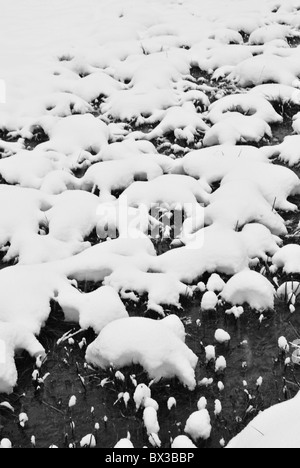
{"x":210,"y":353}
{"x":15,"y":338}
{"x":150,"y":343}
{"x":218,"y":408}
{"x":252,"y":288}
{"x":271,"y":32}
{"x":171,"y":403}
{"x":263,"y":431}
{"x":202,"y":403}
{"x":141,"y":394}
{"x":151,"y":421}
{"x":288,"y":258}
{"x":209,"y":301}
{"x":89,"y":96}
{"x":23,"y":419}
{"x":222,"y":336}
{"x":283,"y":344}
{"x":93,"y":310}
{"x":5,"y":444}
{"x":266,"y":68}
{"x":88,"y":441}
{"x":288,"y":151}
{"x":198,"y":425}
{"x":215,"y":283}
{"x":72,"y":402}
{"x":150,"y":403}
{"x":183,"y":442}
{"x":124,"y":444}
{"x":244,"y":103}
{"x":221,"y":364}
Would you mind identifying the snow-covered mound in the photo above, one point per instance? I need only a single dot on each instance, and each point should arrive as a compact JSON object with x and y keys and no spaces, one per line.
{"x":12,"y":339}
{"x":157,"y":346}
{"x":252,"y":288}
{"x":277,"y":427}
{"x":288,"y":258}
{"x":94,"y":310}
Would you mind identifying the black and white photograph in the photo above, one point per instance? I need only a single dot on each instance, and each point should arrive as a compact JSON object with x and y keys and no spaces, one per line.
{"x":149,"y":226}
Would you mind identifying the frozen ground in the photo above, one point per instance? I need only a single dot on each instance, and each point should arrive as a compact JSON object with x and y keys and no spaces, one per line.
{"x":149,"y":213}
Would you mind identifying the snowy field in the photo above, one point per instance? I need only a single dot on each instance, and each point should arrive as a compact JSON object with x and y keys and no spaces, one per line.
{"x":149,"y":223}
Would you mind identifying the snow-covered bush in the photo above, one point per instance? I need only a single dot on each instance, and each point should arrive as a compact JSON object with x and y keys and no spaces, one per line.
{"x":150,"y":343}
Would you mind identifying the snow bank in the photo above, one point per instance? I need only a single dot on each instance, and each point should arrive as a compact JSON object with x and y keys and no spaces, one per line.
{"x":152,"y":344}
{"x":277,"y":427}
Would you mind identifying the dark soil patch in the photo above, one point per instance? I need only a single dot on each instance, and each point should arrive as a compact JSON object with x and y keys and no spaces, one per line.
{"x":39,"y":136}
{"x":293,"y":42}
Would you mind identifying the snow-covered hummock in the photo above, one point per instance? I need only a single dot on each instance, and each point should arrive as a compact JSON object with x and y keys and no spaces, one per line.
{"x":88,"y":441}
{"x":212,"y":164}
{"x":198,"y":425}
{"x":288,"y":151}
{"x":222,"y":336}
{"x":23,"y":419}
{"x":5,"y":444}
{"x":210,"y":353}
{"x":76,"y":136}
{"x":259,"y":106}
{"x":275,"y":183}
{"x":288,"y":258}
{"x":15,"y":338}
{"x":283,"y":344}
{"x":72,"y":401}
{"x":118,"y":175}
{"x":235,"y":311}
{"x":209,"y":301}
{"x":266,"y":68}
{"x":172,"y":403}
{"x":141,"y":394}
{"x":182,"y":442}
{"x":93,"y":310}
{"x":221,"y":364}
{"x":151,"y":421}
{"x":151,"y":403}
{"x":215,"y":283}
{"x":237,"y":128}
{"x":238,"y":202}
{"x":210,"y":250}
{"x":124,"y":444}
{"x":277,"y":427}
{"x":157,"y":346}
{"x":202,"y":404}
{"x":218,"y":408}
{"x":183,"y":121}
{"x":250,"y":287}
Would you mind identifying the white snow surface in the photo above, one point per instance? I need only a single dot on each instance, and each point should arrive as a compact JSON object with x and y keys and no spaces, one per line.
{"x":91,"y":87}
{"x":276,"y":427}
{"x":155,"y":345}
